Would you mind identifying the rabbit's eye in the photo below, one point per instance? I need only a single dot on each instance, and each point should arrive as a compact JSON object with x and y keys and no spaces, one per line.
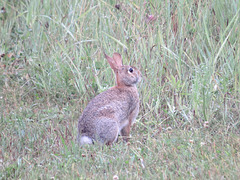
{"x":130,"y":70}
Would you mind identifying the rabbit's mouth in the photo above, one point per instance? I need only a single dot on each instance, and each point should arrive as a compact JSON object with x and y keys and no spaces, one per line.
{"x":130,"y":80}
{"x":137,"y":80}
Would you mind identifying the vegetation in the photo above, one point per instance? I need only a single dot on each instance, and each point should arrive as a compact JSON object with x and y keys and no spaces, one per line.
{"x":52,"y":64}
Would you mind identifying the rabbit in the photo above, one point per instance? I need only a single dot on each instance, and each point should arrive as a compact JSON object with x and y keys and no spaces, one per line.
{"x":112,"y":112}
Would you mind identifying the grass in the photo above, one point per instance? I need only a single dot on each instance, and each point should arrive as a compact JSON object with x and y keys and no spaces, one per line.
{"x":52,"y":64}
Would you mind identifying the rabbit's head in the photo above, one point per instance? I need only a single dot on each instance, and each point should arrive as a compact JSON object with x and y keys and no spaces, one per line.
{"x":125,"y":75}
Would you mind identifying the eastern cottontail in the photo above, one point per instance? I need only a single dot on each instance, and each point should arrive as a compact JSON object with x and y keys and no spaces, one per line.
{"x":113,"y":111}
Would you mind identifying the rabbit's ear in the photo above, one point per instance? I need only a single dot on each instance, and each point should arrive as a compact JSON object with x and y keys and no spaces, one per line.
{"x":118,"y":59}
{"x":114,"y":62}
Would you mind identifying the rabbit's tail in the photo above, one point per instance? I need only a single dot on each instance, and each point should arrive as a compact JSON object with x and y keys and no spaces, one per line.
{"x":85,"y":140}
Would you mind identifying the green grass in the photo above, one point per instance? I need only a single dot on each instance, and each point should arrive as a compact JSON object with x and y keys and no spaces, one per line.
{"x":52,"y":64}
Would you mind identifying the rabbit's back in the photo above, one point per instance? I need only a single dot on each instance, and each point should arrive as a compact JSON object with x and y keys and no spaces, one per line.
{"x":115,"y":102}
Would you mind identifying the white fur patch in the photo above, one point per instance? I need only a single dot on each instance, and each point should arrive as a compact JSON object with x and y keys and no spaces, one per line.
{"x":109,"y":106}
{"x":85,"y":140}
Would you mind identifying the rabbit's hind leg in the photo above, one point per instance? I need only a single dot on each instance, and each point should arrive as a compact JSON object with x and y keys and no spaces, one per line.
{"x":107,"y":131}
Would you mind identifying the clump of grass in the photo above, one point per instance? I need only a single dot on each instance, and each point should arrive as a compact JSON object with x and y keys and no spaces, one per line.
{"x":52,"y":64}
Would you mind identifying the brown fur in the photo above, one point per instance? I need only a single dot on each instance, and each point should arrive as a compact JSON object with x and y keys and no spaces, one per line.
{"x":114,"y":111}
